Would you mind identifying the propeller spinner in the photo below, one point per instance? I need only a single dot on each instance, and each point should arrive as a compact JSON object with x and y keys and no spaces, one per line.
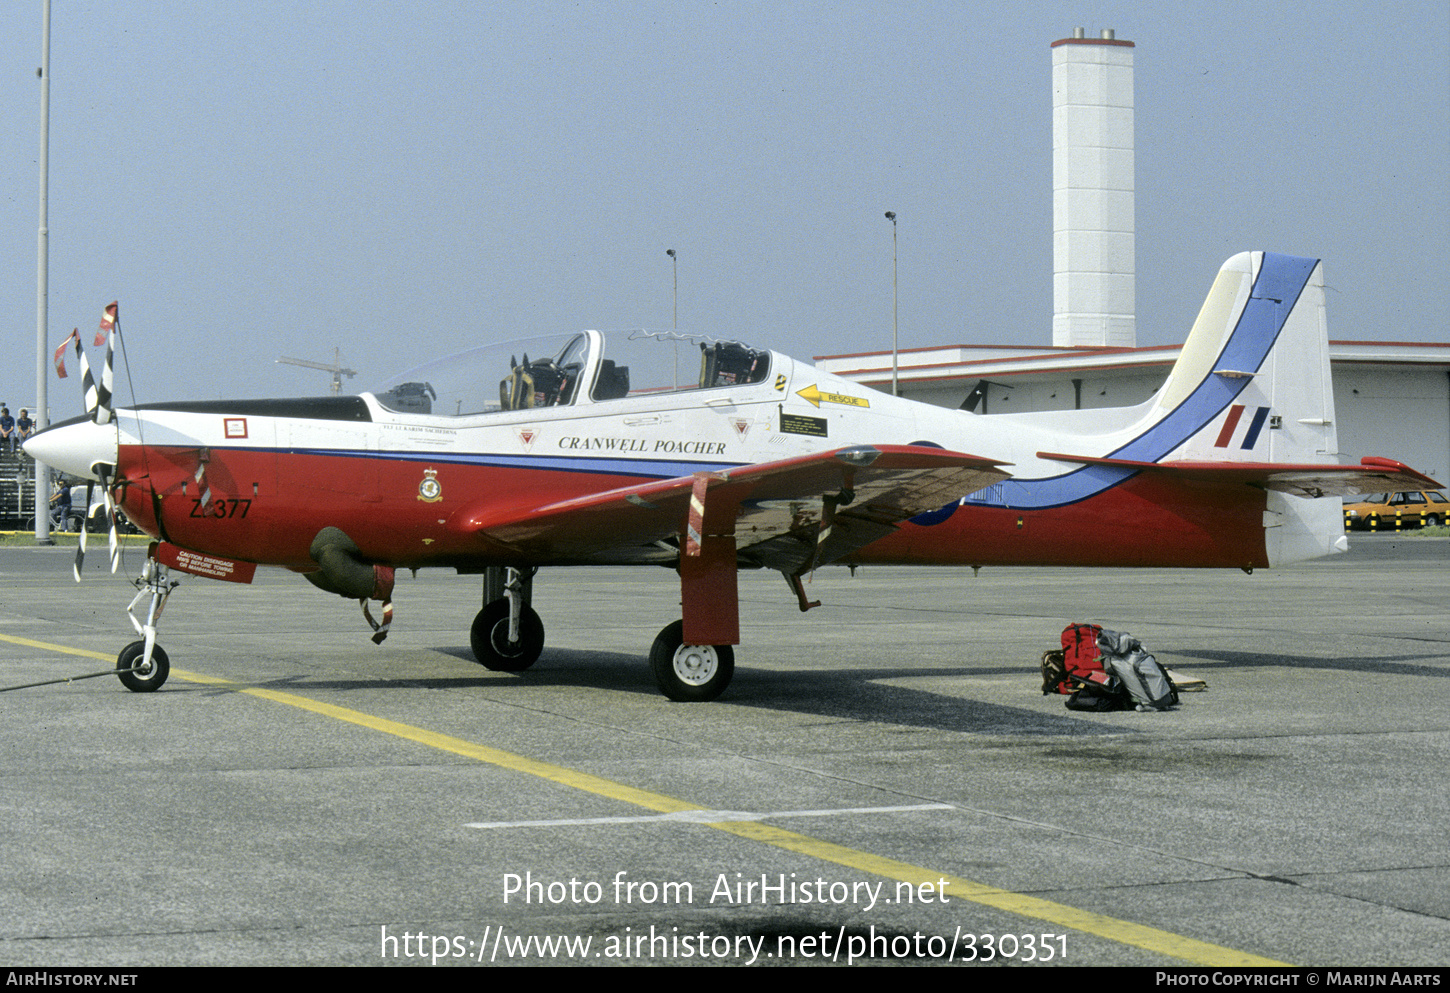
{"x":79,"y":446}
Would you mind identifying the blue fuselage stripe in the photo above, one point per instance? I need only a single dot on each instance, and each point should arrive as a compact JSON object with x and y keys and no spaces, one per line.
{"x":1281,"y":280}
{"x":651,"y":468}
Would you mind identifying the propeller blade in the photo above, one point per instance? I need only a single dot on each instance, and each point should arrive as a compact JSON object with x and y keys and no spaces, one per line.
{"x":103,"y":397}
{"x":98,"y":401}
{"x":111,"y":515}
{"x":115,"y":544}
{"x":97,"y":391}
{"x":81,"y":546}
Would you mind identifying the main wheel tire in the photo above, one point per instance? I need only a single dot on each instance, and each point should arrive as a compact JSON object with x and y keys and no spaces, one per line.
{"x":145,"y":680}
{"x":489,"y":637}
{"x":690,"y":673}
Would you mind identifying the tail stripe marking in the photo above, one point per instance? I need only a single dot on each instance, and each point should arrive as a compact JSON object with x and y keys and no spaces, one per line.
{"x":1231,"y":422}
{"x":1260,"y":416}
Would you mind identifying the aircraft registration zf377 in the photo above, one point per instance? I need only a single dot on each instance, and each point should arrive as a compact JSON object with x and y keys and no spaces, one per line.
{"x":588,"y":452}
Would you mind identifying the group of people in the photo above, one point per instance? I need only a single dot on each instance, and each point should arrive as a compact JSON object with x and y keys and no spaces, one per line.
{"x":14,"y":430}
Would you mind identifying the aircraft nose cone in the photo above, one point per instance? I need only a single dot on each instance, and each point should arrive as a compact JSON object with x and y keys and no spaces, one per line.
{"x":74,"y":446}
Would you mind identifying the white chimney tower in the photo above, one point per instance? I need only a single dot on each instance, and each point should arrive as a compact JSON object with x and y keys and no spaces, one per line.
{"x":1093,"y":257}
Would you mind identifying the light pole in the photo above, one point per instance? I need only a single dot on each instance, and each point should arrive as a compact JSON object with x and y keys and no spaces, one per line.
{"x":675,"y":320}
{"x":42,"y":406}
{"x":675,"y":262}
{"x":891,"y":216}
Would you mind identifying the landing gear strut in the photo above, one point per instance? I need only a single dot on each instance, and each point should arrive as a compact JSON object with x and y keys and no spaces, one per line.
{"x":507,"y":635}
{"x":142,"y":666}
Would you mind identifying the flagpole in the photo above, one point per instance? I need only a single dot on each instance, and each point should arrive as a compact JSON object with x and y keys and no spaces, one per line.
{"x":42,"y":415}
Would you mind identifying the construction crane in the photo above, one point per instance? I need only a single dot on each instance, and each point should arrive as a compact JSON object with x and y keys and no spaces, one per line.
{"x":336,"y":368}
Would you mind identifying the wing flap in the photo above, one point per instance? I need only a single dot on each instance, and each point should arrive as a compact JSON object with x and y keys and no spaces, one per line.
{"x":883,"y":485}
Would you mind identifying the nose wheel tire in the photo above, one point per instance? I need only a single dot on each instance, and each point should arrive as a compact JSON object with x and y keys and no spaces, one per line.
{"x":490,"y":633}
{"x":146,"y":680}
{"x":690,"y":673}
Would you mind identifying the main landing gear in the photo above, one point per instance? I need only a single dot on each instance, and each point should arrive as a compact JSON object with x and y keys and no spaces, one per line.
{"x":505,"y":641}
{"x":508,"y":636}
{"x":690,"y":673}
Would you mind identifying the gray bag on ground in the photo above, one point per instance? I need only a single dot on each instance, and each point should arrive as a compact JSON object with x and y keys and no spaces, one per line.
{"x":1141,"y":675}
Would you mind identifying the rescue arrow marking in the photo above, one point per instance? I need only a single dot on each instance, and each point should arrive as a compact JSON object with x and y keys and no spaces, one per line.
{"x":815,"y":397}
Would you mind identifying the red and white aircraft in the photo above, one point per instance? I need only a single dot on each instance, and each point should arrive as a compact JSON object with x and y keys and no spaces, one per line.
{"x":593,"y":453}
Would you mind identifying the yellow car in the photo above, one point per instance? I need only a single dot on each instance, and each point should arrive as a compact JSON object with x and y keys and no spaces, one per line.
{"x":1389,"y":511}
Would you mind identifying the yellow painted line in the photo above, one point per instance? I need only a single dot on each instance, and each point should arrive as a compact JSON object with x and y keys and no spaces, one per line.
{"x":482,"y":753}
{"x":1120,"y":931}
{"x":51,"y":647}
{"x":442,"y":742}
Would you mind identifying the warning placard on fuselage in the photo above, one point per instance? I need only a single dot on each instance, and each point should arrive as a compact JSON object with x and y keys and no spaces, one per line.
{"x":802,"y":424}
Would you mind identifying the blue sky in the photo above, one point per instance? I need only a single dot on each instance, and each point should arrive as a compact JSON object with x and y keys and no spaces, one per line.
{"x":401,"y":180}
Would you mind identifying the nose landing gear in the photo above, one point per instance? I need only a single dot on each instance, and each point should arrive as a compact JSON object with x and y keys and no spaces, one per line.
{"x":142,"y":666}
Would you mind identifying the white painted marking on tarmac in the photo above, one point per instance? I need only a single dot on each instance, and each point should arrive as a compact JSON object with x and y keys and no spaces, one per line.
{"x":710,"y":816}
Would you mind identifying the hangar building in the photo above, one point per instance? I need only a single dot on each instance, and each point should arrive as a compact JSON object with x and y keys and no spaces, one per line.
{"x":1391,"y":398}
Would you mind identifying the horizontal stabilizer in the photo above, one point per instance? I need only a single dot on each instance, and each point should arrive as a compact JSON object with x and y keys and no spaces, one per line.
{"x":1372,"y":475}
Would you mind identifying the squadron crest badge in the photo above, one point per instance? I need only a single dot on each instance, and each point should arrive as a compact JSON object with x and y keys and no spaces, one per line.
{"x":430,"y":490}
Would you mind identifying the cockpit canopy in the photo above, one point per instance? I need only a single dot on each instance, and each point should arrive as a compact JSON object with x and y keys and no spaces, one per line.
{"x":571,"y":369}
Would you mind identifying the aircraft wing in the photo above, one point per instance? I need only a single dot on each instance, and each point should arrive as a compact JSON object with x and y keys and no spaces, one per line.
{"x":1372,"y":475}
{"x":774,"y":508}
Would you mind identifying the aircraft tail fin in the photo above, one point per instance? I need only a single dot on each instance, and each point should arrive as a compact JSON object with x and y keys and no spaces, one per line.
{"x":1252,"y":383}
{"x":1251,"y":396}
